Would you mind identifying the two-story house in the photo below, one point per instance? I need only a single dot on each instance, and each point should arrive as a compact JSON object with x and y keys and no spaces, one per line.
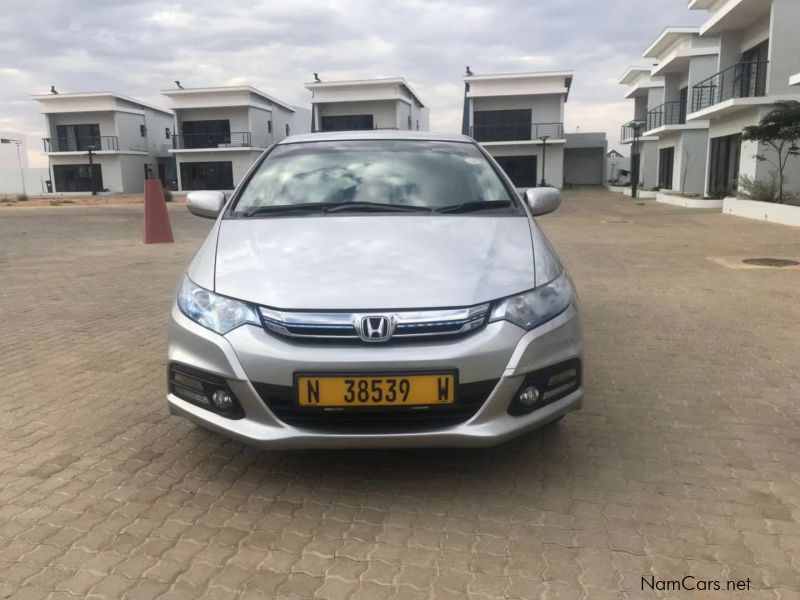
{"x":384,"y":103}
{"x":220,"y":131}
{"x":759,"y":53}
{"x":519,"y":119}
{"x":126,"y":138}
{"x":647,"y":92}
{"x":684,"y":59}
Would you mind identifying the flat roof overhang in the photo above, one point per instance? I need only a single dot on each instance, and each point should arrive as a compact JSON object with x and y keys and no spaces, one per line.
{"x":735,"y":15}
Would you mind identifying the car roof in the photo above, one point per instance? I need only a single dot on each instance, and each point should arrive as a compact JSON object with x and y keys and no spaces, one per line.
{"x":374,"y":134}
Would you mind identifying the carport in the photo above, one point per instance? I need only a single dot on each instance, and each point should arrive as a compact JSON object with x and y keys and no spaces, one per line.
{"x":585,"y":159}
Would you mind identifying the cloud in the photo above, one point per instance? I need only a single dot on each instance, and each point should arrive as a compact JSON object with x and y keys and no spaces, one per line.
{"x":138,"y":48}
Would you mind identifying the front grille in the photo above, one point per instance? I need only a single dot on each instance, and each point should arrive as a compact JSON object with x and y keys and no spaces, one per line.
{"x":281,"y":401}
{"x":346,"y":326}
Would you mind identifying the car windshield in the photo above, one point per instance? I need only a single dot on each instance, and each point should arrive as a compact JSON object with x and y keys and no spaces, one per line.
{"x":398,"y":176}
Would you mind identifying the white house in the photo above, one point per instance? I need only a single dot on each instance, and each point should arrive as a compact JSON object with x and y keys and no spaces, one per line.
{"x":519,"y":119}
{"x":647,"y":92}
{"x":759,"y":54}
{"x":126,"y":138}
{"x":618,"y":168}
{"x":384,"y":103}
{"x":684,"y":59}
{"x":220,"y":131}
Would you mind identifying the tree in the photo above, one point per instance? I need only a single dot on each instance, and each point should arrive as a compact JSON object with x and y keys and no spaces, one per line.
{"x":779,"y":131}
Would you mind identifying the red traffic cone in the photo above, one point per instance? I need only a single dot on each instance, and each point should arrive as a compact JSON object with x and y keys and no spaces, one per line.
{"x":157,"y":229}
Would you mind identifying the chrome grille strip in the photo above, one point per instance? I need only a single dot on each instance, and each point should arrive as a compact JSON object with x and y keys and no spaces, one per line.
{"x":342,"y":325}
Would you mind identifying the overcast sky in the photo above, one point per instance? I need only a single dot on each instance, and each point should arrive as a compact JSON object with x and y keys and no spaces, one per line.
{"x":139,"y":47}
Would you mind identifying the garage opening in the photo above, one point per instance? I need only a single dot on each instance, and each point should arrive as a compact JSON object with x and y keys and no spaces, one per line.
{"x":584,"y":166}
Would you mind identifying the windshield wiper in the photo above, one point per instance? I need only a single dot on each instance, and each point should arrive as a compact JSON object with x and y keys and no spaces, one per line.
{"x":373,"y":207}
{"x":333,"y":207}
{"x":467,"y":207}
{"x":285,"y":208}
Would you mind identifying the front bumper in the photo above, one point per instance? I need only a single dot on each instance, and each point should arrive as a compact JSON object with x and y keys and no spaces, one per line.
{"x":500,"y":351}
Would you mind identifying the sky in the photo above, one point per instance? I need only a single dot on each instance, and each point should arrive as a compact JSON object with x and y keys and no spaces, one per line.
{"x":139,"y":47}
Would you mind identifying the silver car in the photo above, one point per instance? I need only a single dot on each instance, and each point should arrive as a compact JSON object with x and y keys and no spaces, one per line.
{"x":375,"y":289}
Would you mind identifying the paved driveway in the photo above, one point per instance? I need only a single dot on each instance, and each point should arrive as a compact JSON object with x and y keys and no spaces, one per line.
{"x":684,"y":461}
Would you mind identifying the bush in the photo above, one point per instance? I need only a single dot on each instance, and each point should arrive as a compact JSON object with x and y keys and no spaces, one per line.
{"x":167,"y":195}
{"x":22,"y":197}
{"x":762,"y":191}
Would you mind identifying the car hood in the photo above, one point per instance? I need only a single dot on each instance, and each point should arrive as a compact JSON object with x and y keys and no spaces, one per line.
{"x":374,"y":262}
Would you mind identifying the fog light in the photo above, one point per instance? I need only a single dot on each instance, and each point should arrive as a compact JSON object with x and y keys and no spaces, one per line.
{"x":529,"y":396}
{"x":222,"y":400}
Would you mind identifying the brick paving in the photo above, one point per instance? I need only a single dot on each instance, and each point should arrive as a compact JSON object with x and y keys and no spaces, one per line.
{"x":684,"y":460}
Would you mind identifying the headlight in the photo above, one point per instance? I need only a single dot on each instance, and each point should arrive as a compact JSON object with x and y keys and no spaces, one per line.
{"x":531,"y":309}
{"x":211,"y":310}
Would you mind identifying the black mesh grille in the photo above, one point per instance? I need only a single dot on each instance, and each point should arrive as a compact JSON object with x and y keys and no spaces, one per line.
{"x":281,"y":401}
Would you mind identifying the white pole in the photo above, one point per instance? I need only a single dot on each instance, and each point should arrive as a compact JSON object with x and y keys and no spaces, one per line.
{"x":21,"y":171}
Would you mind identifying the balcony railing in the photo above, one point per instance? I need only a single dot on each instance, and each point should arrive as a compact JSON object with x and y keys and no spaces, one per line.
{"x":234,"y":139}
{"x":669,"y":113}
{"x":98,"y":143}
{"x":742,"y":80}
{"x":626,"y":133}
{"x":516,"y":132}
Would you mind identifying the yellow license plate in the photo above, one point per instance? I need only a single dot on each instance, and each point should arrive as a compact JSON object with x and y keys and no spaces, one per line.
{"x":366,"y":391}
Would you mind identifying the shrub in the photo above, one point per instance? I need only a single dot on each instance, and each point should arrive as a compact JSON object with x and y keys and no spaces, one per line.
{"x":22,"y":197}
{"x":762,"y":191}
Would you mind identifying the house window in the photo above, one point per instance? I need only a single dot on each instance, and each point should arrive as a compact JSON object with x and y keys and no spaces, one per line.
{"x":502,"y":125}
{"x":269,"y":126}
{"x":142,"y":130}
{"x":77,"y":178}
{"x":207,"y":175}
{"x":287,"y":129}
{"x":73,"y":138}
{"x":347,"y":123}
{"x":166,"y":132}
{"x":206,"y":134}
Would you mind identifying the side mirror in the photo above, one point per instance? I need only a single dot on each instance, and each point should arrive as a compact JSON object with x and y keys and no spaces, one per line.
{"x":542,"y":200}
{"x":205,"y":204}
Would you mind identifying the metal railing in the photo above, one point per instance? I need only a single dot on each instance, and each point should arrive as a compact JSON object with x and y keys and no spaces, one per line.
{"x":626,"y":133}
{"x":516,"y":132}
{"x":742,"y":80}
{"x":234,"y":139}
{"x":669,"y":113}
{"x":98,"y":143}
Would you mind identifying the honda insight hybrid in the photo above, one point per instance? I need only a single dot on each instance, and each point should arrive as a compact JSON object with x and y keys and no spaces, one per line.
{"x":375,"y":289}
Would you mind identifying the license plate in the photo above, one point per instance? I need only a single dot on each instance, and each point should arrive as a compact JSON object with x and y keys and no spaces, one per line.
{"x":371,"y":391}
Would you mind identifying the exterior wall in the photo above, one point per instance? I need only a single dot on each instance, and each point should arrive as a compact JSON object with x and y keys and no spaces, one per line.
{"x":241,"y":161}
{"x":129,"y":132}
{"x":300,"y":120}
{"x":655,"y":98}
{"x":258,"y":125}
{"x":280,"y":119}
{"x":11,"y":180}
{"x":156,"y":142}
{"x":640,"y":108}
{"x":648,"y":169}
{"x":691,"y":150}
{"x":554,"y":167}
{"x":385,"y":114}
{"x":784,"y":48}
